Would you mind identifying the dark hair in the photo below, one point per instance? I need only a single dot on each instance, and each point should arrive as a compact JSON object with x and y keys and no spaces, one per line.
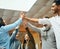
{"x":57,"y":2}
{"x":1,"y":22}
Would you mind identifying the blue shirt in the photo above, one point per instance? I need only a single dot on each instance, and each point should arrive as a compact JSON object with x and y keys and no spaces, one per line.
{"x":14,"y":43}
{"x":4,"y":35}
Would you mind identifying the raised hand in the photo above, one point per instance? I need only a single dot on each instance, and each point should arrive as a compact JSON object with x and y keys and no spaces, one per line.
{"x":22,"y":15}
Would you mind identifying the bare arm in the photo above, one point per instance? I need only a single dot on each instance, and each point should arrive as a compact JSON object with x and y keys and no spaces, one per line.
{"x":39,"y":30}
{"x":39,"y":21}
{"x":34,"y":28}
{"x":32,"y":19}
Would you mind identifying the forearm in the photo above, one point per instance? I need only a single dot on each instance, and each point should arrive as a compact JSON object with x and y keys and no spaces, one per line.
{"x":32,"y":19}
{"x":34,"y":27}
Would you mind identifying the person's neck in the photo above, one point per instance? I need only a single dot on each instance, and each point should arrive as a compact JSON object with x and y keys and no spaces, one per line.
{"x":59,"y":13}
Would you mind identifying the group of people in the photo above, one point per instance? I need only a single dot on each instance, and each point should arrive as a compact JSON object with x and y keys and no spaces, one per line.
{"x":49,"y":32}
{"x":27,"y":43}
{"x":11,"y":42}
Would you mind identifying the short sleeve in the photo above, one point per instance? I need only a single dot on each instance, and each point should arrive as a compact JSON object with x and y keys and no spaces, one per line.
{"x":44,"y":21}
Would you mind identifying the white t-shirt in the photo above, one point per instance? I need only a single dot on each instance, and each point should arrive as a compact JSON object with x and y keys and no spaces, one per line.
{"x":55,"y":22}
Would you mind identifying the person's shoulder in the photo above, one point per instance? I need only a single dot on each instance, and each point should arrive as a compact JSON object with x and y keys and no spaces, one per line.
{"x":52,"y":18}
{"x":2,"y":28}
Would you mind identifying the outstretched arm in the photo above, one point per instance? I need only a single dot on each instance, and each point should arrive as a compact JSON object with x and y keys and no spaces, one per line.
{"x":32,"y":19}
{"x":39,"y":30}
{"x":39,"y":21}
{"x":13,"y":25}
{"x":34,"y":28}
